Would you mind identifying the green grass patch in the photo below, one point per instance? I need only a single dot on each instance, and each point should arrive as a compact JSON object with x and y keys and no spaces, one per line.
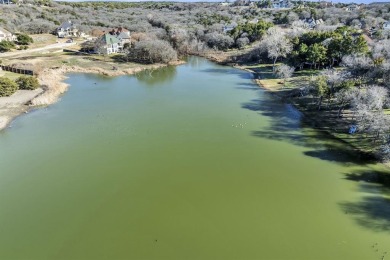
{"x":270,"y":81}
{"x":10,"y":75}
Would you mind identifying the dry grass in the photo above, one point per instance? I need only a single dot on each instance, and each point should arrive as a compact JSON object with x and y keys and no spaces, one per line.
{"x":42,"y":40}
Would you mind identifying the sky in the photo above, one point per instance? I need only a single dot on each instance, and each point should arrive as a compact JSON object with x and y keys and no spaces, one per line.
{"x":335,"y":1}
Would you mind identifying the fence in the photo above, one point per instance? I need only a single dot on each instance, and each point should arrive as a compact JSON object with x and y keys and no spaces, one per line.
{"x":16,"y":70}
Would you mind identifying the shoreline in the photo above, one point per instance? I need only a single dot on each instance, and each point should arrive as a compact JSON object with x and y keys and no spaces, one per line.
{"x":306,"y":115}
{"x":52,"y":81}
{"x":53,"y":85}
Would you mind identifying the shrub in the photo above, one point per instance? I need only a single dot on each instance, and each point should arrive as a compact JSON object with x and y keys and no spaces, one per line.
{"x":152,"y":51}
{"x":242,"y":42}
{"x":219,"y":41}
{"x":7,"y":87}
{"x":24,"y":39}
{"x":27,"y":82}
{"x":6,"y":46}
{"x":284,"y":71}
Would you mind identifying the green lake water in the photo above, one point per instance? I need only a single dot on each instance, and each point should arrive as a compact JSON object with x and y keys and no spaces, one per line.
{"x":188,"y":162}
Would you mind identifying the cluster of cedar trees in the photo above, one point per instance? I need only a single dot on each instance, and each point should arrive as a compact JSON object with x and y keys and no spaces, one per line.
{"x":319,"y":49}
{"x":23,"y":40}
{"x":8,"y":86}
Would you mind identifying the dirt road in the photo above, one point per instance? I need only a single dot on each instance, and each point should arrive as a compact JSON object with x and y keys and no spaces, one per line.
{"x":46,"y":48}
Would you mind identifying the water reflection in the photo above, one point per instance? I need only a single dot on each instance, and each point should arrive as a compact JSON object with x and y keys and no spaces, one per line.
{"x":157,"y":77}
{"x":98,"y":77}
{"x":195,"y":62}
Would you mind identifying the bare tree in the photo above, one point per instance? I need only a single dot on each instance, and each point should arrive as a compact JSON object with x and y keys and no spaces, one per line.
{"x":242,"y":42}
{"x":276,"y":44}
{"x":219,"y":41}
{"x":284,"y":71}
{"x":333,"y":78}
{"x":386,"y":73}
{"x":358,"y":65}
{"x":367,"y":104}
{"x":343,"y":98}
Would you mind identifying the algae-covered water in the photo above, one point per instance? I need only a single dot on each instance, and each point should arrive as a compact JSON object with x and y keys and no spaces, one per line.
{"x":188,"y":162}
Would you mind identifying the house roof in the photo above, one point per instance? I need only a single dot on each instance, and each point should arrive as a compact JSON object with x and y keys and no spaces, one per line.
{"x":123,"y":35}
{"x":108,"y":39}
{"x":66,"y":25}
{"x":120,"y":32}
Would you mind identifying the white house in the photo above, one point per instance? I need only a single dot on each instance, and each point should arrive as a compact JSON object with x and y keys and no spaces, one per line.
{"x":67,"y":29}
{"x":312,"y":23}
{"x":122,"y":34}
{"x":386,"y":26}
{"x":228,"y":27}
{"x":225,"y":4}
{"x":282,"y":4}
{"x":352,"y":8}
{"x":6,"y":35}
{"x":107,"y":44}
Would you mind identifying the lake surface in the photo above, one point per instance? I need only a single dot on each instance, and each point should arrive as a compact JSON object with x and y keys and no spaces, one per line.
{"x":188,"y":162}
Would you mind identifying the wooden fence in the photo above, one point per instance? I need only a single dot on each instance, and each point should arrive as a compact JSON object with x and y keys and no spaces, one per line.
{"x":16,"y":70}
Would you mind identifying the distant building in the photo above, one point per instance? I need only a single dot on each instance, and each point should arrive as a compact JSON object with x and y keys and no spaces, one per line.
{"x":225,"y":4}
{"x":386,"y":26}
{"x":111,"y":40}
{"x":311,"y":23}
{"x":324,"y":4}
{"x":372,"y":31}
{"x":107,"y":44}
{"x":67,"y":29}
{"x":277,"y":4}
{"x":242,"y":2}
{"x":122,"y":34}
{"x":352,"y":8}
{"x":227,"y":28}
{"x":6,"y":35}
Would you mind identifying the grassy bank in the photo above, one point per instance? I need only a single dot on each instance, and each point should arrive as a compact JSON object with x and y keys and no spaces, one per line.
{"x":10,"y":75}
